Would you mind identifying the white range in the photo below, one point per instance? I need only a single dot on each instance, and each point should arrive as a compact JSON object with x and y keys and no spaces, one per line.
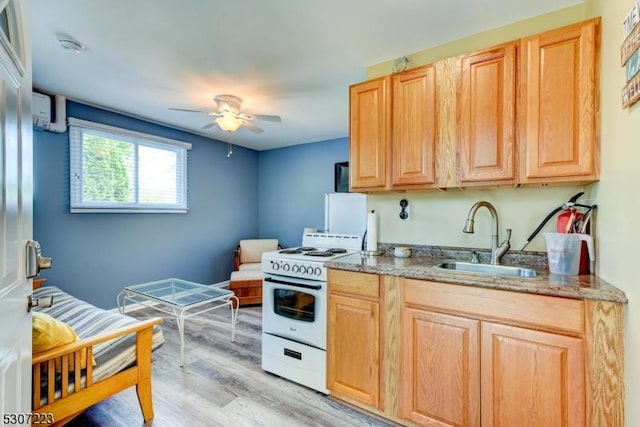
{"x":294,"y":307}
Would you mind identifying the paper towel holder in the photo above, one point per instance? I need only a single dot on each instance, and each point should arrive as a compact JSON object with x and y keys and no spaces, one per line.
{"x":364,"y":251}
{"x":367,"y":249}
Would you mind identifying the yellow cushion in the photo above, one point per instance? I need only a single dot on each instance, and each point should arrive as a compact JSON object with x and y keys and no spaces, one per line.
{"x":48,"y":333}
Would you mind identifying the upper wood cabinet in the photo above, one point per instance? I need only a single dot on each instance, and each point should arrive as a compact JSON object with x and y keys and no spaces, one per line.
{"x":486,"y":116}
{"x":558,"y":105}
{"x":369,"y":134}
{"x":413,"y":138}
{"x":524,"y":112}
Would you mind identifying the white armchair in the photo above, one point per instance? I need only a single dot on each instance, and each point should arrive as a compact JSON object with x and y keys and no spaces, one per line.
{"x":246,"y":280}
{"x":248,"y":254}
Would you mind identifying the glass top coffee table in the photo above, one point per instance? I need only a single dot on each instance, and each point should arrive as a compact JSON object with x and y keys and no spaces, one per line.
{"x":180,"y":299}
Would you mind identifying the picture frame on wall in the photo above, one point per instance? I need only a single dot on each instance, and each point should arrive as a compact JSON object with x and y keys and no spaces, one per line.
{"x":341,"y":177}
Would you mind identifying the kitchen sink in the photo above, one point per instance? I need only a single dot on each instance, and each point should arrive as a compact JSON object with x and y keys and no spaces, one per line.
{"x":486,"y":269}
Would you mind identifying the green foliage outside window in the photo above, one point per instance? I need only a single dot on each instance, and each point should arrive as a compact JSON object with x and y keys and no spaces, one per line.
{"x":106,"y":170}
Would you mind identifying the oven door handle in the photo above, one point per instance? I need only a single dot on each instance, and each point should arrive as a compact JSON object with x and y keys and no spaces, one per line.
{"x":297,"y":285}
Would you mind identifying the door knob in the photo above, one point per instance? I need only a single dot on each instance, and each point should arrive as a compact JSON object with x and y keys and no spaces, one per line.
{"x":41,"y":302}
{"x":35,"y":261}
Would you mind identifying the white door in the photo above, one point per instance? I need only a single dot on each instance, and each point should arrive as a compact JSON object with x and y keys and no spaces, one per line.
{"x":16,"y":219}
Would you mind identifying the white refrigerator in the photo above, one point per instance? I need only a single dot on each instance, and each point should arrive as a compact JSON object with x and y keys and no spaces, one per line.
{"x":345,"y":213}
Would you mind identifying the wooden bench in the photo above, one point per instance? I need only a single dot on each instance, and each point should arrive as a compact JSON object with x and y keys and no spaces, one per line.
{"x":120,"y":345}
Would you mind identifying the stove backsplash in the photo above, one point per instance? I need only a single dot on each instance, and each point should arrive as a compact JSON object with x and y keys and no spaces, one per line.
{"x":513,"y":257}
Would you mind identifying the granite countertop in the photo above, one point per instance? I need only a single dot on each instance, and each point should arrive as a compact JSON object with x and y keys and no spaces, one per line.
{"x":421,"y":265}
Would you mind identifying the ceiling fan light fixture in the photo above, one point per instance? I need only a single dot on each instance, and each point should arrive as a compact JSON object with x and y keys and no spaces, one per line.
{"x":229,"y":123}
{"x":228,"y":115}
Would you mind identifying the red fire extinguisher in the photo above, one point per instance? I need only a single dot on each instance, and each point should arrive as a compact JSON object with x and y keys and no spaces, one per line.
{"x":568,"y":221}
{"x":571,"y":221}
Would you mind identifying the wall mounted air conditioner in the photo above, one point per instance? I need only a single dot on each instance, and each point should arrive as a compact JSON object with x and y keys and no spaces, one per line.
{"x":41,"y":109}
{"x":44,"y":110}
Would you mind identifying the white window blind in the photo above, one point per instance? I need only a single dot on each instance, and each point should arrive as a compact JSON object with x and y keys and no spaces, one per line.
{"x":118,"y":170}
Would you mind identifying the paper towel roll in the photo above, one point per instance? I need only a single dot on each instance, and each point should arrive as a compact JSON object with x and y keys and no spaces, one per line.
{"x":372,"y":232}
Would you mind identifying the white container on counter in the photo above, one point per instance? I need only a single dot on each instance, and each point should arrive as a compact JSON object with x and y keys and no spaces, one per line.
{"x":401,"y":252}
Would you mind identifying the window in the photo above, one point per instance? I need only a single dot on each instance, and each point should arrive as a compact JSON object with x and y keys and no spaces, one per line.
{"x":10,"y":35}
{"x":117,"y":170}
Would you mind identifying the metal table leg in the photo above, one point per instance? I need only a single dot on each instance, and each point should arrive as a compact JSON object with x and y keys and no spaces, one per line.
{"x":234,"y":315}
{"x":180,"y":320}
{"x":121,"y":300}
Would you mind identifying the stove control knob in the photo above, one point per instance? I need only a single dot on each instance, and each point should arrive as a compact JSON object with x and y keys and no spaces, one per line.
{"x":286,"y":267}
{"x":317,"y":271}
{"x":275,"y":266}
{"x":295,"y":268}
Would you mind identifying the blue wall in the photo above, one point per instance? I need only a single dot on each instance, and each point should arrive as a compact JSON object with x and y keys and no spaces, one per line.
{"x":94,"y":255}
{"x":270,"y":194}
{"x":292,"y":184}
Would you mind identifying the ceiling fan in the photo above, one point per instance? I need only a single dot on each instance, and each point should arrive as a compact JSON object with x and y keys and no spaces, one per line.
{"x":228,"y":116}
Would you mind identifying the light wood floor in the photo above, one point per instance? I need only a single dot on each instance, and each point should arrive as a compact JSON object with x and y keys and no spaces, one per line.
{"x":221,"y":384}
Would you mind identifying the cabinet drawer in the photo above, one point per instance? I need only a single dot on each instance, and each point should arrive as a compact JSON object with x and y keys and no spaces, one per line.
{"x":349,"y":282}
{"x":535,"y":311}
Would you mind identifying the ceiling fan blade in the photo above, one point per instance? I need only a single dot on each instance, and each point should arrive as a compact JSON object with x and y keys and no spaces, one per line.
{"x":188,"y":110}
{"x":263,"y":117}
{"x":209,"y":125}
{"x":253,"y":128}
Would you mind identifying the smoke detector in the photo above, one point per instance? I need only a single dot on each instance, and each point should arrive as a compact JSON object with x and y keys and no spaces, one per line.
{"x":69,"y":43}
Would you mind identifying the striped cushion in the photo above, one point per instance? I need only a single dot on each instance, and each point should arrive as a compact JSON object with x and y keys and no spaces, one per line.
{"x":88,"y":321}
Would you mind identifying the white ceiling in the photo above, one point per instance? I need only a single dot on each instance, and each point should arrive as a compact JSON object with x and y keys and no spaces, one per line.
{"x":290,"y":58}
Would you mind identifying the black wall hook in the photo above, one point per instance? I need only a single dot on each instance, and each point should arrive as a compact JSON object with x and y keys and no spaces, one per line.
{"x":403,"y":211}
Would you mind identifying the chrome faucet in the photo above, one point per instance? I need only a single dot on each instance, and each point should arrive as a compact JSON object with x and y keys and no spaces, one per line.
{"x":497,"y":252}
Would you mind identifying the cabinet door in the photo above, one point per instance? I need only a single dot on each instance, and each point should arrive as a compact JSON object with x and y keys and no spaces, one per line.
{"x":414,"y":128}
{"x":441,"y":369}
{"x":353,"y":349}
{"x":558,"y":115}
{"x":369,"y":134}
{"x":531,"y":378}
{"x":486,"y":115}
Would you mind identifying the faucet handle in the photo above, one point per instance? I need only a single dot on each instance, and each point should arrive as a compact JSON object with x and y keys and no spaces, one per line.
{"x":504,"y":247}
{"x":507,"y":239}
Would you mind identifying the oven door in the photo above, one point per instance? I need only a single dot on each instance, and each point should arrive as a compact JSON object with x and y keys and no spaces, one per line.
{"x":295,"y":309}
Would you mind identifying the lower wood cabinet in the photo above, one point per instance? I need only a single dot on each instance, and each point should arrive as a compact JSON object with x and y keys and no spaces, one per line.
{"x":353,"y":359}
{"x":441,"y":369}
{"x":531,"y":378}
{"x":526,"y":377}
{"x":426,"y":353}
{"x":353,"y":343}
